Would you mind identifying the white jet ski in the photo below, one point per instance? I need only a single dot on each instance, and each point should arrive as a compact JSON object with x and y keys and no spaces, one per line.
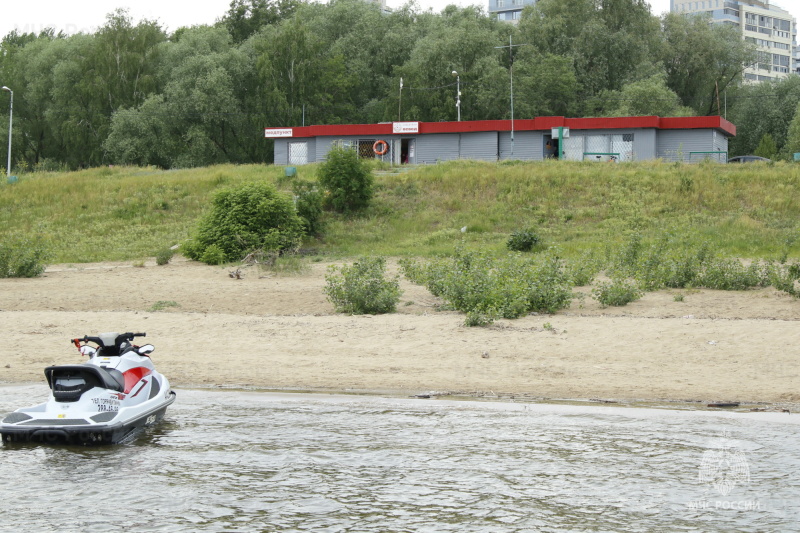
{"x":110,"y":399}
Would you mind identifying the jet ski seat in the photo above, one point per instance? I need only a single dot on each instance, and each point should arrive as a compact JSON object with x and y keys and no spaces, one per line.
{"x":69,"y":382}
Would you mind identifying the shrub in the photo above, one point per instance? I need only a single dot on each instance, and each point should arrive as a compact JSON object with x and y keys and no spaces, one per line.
{"x":549,"y":288}
{"x":361,"y":288}
{"x":164,"y":255}
{"x":251,"y":217}
{"x":584,"y":269}
{"x":486,"y":289}
{"x":347,"y":179}
{"x":522,"y":241}
{"x":616,"y":293}
{"x":784,"y":278}
{"x":213,"y":255}
{"x":732,"y":275}
{"x":309,"y":203}
{"x":20,"y":258}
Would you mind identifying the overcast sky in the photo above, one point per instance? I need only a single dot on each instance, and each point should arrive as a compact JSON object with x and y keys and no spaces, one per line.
{"x":86,"y":15}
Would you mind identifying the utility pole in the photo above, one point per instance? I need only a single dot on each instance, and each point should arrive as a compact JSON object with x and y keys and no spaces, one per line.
{"x":458,"y":94}
{"x":400,"y":100}
{"x":510,"y":47}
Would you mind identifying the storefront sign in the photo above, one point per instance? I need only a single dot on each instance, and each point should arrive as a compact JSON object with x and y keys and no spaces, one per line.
{"x":277,"y":132}
{"x":405,"y":127}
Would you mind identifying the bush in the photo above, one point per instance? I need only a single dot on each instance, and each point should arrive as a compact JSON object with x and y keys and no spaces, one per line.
{"x":784,"y":279}
{"x":732,"y":275}
{"x":243,"y":219}
{"x":164,"y":256}
{"x":617,"y":293}
{"x":523,"y":241}
{"x":309,"y":203}
{"x":361,"y":288}
{"x":347,"y":179}
{"x":583,"y":270}
{"x":213,"y":255}
{"x":486,"y":289}
{"x":22,"y":259}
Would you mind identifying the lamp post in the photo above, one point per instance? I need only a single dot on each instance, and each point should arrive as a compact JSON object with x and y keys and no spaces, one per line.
{"x":511,"y":75}
{"x":10,"y":122}
{"x":458,"y":94}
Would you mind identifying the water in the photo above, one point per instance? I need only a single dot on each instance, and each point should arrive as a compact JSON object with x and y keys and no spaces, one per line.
{"x":239,"y":461}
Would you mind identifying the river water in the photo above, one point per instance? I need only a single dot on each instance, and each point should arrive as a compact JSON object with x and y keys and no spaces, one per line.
{"x":256,"y":461}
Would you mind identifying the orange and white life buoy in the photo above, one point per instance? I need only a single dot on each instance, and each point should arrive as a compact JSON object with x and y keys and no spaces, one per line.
{"x":380,"y":147}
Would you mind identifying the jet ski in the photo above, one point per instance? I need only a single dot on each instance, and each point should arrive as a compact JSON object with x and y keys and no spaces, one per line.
{"x":109,"y":399}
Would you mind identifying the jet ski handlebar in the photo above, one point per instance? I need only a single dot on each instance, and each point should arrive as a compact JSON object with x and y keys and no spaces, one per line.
{"x":105,"y":340}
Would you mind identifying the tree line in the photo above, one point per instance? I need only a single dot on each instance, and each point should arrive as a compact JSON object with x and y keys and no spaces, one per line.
{"x":131,"y":93}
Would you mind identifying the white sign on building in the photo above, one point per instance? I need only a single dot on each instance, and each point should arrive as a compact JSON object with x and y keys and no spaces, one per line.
{"x":277,"y":132}
{"x":405,"y":127}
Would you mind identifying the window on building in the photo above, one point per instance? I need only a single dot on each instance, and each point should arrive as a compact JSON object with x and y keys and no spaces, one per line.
{"x":298,"y":153}
{"x":778,"y":59}
{"x":365,"y":150}
{"x":501,"y":3}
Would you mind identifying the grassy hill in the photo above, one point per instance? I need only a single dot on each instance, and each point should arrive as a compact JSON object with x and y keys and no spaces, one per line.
{"x":126,"y":213}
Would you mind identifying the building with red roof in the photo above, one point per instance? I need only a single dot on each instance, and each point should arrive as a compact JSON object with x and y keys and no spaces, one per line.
{"x":620,"y":139}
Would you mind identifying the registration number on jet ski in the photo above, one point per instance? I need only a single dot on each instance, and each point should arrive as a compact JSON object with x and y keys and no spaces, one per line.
{"x":106,"y":404}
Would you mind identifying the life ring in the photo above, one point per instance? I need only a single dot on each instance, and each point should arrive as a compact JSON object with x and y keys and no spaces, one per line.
{"x":380,"y":147}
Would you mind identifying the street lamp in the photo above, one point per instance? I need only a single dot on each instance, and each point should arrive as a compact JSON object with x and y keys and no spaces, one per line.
{"x":458,"y":94}
{"x":10,"y":122}
{"x":511,"y":75}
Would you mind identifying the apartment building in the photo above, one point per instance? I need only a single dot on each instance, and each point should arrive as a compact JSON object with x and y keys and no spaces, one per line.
{"x":771,"y":28}
{"x":508,"y":10}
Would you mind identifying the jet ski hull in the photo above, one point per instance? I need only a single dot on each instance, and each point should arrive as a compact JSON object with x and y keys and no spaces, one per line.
{"x":110,"y":427}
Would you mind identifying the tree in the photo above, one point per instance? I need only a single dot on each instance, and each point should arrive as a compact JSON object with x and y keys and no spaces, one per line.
{"x":766,"y":147}
{"x":793,"y":137}
{"x":198,"y":117}
{"x":702,"y":59}
{"x":762,"y":108}
{"x":544,"y":85}
{"x":611,"y":42}
{"x":299,"y":70}
{"x":463,"y":41}
{"x":245,"y":17}
{"x":646,"y":97}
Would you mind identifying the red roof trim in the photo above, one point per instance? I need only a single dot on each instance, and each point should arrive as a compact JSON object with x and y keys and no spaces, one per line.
{"x":537,"y":124}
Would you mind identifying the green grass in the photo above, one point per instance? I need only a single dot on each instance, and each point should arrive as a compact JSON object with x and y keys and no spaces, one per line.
{"x":124,"y":213}
{"x":163,"y":304}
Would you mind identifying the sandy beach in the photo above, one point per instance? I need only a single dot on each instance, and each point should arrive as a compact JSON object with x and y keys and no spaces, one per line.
{"x":279,"y":332}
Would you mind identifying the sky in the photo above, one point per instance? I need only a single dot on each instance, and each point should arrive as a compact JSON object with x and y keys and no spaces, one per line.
{"x":87,"y":15}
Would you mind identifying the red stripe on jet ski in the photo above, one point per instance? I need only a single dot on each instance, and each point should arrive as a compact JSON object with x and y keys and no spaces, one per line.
{"x":133,"y":376}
